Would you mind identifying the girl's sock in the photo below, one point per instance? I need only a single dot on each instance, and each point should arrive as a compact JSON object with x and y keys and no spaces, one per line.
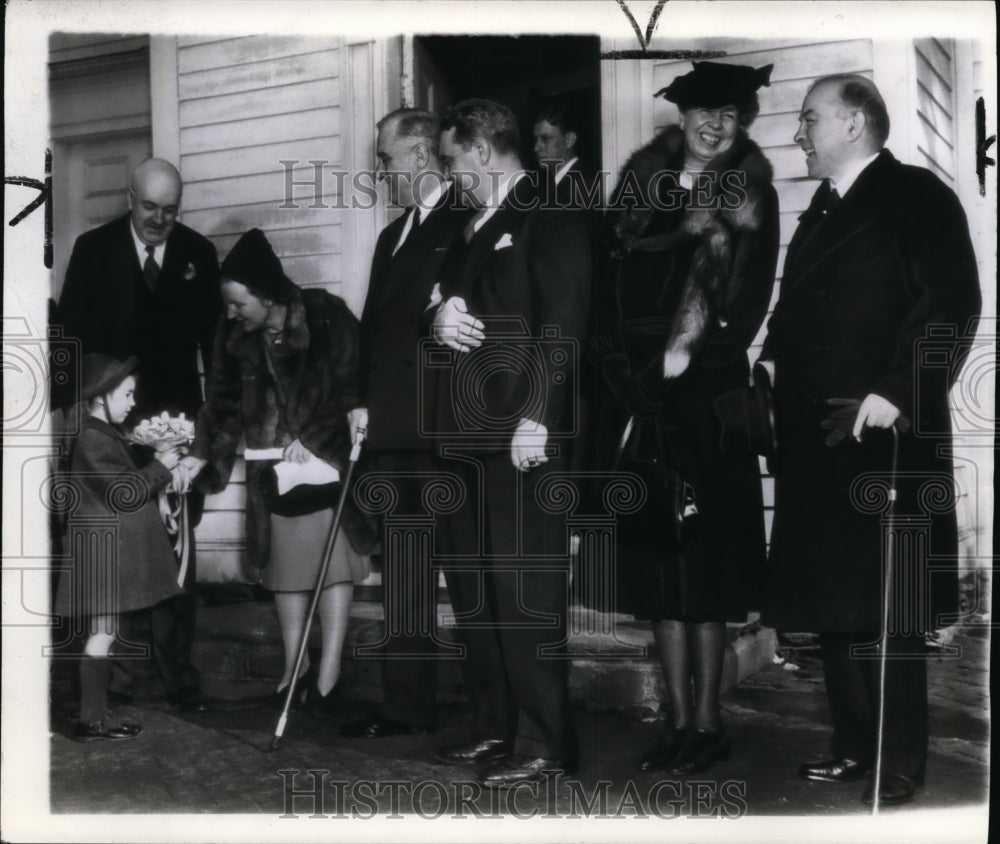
{"x":95,"y":674}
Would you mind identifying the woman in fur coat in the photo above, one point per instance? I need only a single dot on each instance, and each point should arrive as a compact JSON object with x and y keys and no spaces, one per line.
{"x":693,"y":243}
{"x":284,"y":375}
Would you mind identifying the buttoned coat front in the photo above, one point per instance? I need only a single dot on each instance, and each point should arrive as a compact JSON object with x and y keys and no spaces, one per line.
{"x":394,"y":387}
{"x":876,"y":297}
{"x":122,"y":558}
{"x":107,"y":305}
{"x":527,"y":275}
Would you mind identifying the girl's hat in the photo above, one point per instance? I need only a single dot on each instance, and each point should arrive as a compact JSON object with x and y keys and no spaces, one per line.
{"x":102,"y":373}
{"x":253,"y":264}
{"x":715,"y":84}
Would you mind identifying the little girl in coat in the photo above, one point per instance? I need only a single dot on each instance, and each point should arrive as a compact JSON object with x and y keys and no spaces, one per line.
{"x":122,"y":557}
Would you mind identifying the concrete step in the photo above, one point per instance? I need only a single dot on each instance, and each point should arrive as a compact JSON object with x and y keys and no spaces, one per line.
{"x":613,"y":657}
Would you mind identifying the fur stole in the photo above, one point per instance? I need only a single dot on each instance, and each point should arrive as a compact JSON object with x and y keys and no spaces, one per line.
{"x":737,"y":183}
{"x":316,"y":385}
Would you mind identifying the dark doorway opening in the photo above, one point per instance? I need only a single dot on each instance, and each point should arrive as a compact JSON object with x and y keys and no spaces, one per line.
{"x":522,"y":72}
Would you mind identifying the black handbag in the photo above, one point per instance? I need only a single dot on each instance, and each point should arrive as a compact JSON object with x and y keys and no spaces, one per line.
{"x":300,"y":500}
{"x":669,"y":517}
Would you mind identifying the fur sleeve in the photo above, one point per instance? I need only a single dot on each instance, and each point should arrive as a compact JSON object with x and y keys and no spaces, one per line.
{"x":219,"y":426}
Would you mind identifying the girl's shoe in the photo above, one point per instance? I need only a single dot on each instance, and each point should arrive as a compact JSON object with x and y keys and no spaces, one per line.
{"x":98,"y":731}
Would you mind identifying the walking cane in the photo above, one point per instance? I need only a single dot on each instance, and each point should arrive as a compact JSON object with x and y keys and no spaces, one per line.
{"x":331,"y":538}
{"x":890,"y":553}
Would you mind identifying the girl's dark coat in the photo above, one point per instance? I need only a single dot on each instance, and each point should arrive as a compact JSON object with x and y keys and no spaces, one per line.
{"x":113,"y":499}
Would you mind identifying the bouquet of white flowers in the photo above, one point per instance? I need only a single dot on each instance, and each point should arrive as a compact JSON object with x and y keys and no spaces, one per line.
{"x":163,"y":431}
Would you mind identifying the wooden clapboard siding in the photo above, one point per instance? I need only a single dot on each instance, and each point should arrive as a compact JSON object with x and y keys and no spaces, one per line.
{"x":244,"y":106}
{"x":935,"y":103}
{"x":249,"y":160}
{"x":196,"y":54}
{"x":323,"y":123}
{"x":267,"y":215}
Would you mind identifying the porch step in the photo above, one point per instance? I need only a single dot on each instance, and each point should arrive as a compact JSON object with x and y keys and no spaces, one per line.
{"x":613,"y":657}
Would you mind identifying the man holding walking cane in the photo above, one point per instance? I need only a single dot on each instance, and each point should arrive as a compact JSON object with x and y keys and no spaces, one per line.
{"x":880,"y":265}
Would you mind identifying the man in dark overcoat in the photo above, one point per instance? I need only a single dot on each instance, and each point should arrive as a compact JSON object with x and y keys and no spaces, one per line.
{"x":147,"y":285}
{"x":879,"y":270}
{"x":514,"y":300}
{"x":405,"y":268}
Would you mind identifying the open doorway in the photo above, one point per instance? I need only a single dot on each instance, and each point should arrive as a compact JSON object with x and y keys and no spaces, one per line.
{"x":522,"y":72}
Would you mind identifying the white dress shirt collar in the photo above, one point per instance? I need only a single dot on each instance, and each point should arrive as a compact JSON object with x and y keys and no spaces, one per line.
{"x":849,"y":176}
{"x":564,"y":168}
{"x":503,"y":188}
{"x":429,"y":202}
{"x":140,"y":248}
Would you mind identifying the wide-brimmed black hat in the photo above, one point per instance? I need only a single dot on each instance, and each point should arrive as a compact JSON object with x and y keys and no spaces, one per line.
{"x":714,"y":84}
{"x":253,"y":264}
{"x":100,"y":374}
{"x":747,"y":418}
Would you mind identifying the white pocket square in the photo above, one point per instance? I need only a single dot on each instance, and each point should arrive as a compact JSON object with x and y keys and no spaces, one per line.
{"x":503,"y":242}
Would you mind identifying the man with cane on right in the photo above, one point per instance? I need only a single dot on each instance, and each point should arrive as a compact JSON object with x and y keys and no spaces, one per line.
{"x":880,"y":262}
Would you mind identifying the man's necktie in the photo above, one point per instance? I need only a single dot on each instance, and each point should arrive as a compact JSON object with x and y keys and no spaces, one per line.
{"x":824,"y":200}
{"x":150,"y":269}
{"x":411,"y":213}
{"x":832,"y":199}
{"x":827,"y":197}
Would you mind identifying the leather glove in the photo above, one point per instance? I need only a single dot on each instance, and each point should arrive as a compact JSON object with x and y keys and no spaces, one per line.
{"x":840,"y":422}
{"x":628,"y":389}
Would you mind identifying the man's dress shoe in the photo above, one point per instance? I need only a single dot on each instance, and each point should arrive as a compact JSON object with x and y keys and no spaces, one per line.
{"x":99,"y":732}
{"x":835,"y":770}
{"x":486,"y":750}
{"x":189,"y":700}
{"x":380,"y":727}
{"x":895,"y":790}
{"x":518,"y":769}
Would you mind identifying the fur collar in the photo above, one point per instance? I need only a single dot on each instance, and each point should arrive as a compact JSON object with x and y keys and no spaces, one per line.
{"x":632,"y":207}
{"x":295,"y":334}
{"x":715,"y":227}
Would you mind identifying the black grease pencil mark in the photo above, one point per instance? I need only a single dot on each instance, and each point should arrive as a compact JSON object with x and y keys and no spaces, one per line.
{"x":44,"y":189}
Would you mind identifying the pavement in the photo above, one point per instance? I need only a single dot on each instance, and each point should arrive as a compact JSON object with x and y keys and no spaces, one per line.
{"x":218,"y":762}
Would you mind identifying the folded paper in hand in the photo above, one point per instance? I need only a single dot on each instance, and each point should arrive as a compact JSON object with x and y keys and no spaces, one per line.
{"x":316,"y":472}
{"x":290,"y":475}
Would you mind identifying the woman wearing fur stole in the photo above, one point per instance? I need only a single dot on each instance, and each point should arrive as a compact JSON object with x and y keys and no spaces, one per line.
{"x":693,"y":244}
{"x":284,"y":376}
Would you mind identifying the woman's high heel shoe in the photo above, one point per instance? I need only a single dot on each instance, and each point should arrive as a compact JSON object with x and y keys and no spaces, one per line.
{"x":322,"y":705}
{"x":303,"y":685}
{"x":702,"y":750}
{"x":665,"y":751}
